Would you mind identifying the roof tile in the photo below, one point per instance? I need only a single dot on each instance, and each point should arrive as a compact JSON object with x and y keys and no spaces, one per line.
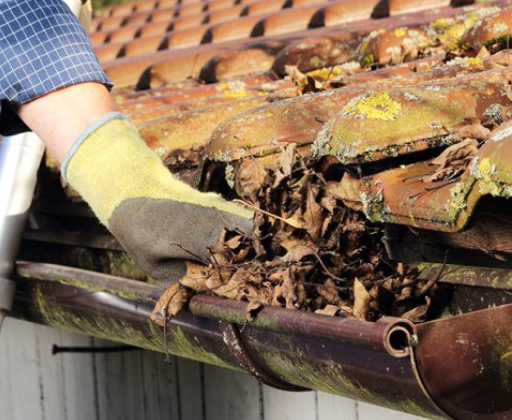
{"x":393,"y":89}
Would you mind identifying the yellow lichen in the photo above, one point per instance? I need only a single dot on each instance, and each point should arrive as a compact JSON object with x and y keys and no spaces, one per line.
{"x":315,"y":61}
{"x":485,"y":166}
{"x":235,"y":94}
{"x":377,"y":106}
{"x":465,"y":62}
{"x":399,"y":32}
{"x":325,"y":73}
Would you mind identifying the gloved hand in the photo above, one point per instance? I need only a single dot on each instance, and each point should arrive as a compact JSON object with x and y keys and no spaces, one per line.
{"x":155,"y":217}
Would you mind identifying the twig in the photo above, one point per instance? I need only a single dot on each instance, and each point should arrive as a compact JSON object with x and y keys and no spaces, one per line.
{"x":164,"y":313}
{"x":325,"y":268}
{"x":189,"y":252}
{"x":245,"y":203}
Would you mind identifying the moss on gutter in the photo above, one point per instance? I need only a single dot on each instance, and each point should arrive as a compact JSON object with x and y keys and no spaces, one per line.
{"x":113,"y":329}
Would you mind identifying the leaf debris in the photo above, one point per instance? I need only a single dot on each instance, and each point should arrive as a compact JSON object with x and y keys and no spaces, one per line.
{"x":308,"y":251}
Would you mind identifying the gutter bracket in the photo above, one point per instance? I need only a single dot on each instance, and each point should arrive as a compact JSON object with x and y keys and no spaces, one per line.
{"x":233,"y":339}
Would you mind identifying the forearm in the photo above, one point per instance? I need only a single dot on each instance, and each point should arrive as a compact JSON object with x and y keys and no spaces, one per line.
{"x":51,"y":55}
{"x":60,"y":117}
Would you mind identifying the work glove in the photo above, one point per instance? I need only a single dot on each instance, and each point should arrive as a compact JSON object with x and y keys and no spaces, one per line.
{"x":158,"y":219}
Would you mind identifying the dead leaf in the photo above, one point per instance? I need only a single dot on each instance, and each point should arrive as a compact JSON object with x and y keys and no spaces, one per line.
{"x":250,"y":177}
{"x":329,"y":292}
{"x":304,"y":83}
{"x":453,"y":160}
{"x":252,"y":309}
{"x":472,"y":131}
{"x":361,"y":300}
{"x":298,"y":254}
{"x":419,"y":313}
{"x":329,"y":310}
{"x":195,"y":277}
{"x":348,"y":190}
{"x":171,"y":302}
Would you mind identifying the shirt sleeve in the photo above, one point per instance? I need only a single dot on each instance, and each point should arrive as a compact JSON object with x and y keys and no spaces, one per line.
{"x":43,"y":48}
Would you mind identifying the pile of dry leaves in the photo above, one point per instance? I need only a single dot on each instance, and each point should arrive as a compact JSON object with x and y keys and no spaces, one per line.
{"x":309,"y":252}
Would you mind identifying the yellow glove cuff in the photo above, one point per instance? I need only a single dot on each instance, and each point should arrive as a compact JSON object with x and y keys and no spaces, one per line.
{"x":110,"y":163}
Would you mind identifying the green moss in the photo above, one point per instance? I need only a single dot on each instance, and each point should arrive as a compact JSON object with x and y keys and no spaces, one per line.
{"x":500,"y":359}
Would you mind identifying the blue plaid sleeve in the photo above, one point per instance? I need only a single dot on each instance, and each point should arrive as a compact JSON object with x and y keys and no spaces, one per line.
{"x":42,"y":48}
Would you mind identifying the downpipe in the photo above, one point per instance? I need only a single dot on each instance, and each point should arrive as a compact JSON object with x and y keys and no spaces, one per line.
{"x":20,"y":158}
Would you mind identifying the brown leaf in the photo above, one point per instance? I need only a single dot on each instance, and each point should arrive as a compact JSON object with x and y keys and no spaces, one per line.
{"x":312,"y":215}
{"x":171,"y":302}
{"x":453,"y":160}
{"x":419,"y":313}
{"x":230,"y":289}
{"x":361,"y":301}
{"x":472,"y":131}
{"x":298,"y":254}
{"x":252,"y":309}
{"x":329,"y":310}
{"x":289,"y":290}
{"x":329,"y":292}
{"x":348,"y":190}
{"x":304,"y":83}
{"x":195,"y":277}
{"x":249,"y":177}
{"x":288,"y":159}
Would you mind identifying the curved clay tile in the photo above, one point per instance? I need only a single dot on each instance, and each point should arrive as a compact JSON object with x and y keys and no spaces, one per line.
{"x":492,"y":31}
{"x":98,"y":38}
{"x":220,"y":4}
{"x":109,"y":51}
{"x":184,"y":38}
{"x":337,"y":12}
{"x":257,"y":59}
{"x":300,"y":3}
{"x":146,"y":6}
{"x":375,"y":125}
{"x":191,"y":9}
{"x":141,"y":46}
{"x":183,"y":91}
{"x":314,"y":53}
{"x":111,"y":23}
{"x":238,"y":29}
{"x":263,"y":7}
{"x":189,"y":2}
{"x":287,"y":20}
{"x":397,"y":7}
{"x":394,"y":46}
{"x":167,"y":3}
{"x":154,"y":28}
{"x":225,"y":15}
{"x":138,"y":18}
{"x":95,"y":24}
{"x":163,"y":15}
{"x":123,"y":10}
{"x":327,"y":118}
{"x":192,"y":129}
{"x":188,"y":22}
{"x":123,"y":34}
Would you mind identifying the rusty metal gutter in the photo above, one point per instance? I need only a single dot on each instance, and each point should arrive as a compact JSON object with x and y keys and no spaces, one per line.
{"x":458,"y":367}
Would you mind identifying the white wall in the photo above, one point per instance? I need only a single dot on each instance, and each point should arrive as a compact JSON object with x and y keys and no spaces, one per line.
{"x":34,"y":385}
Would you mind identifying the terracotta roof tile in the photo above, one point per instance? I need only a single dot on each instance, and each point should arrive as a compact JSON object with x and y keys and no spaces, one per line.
{"x":216,"y":5}
{"x":123,"y":34}
{"x":225,"y":15}
{"x":397,"y":79}
{"x":155,"y":28}
{"x":263,"y":7}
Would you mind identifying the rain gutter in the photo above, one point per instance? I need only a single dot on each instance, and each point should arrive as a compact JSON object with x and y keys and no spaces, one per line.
{"x":455,"y":368}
